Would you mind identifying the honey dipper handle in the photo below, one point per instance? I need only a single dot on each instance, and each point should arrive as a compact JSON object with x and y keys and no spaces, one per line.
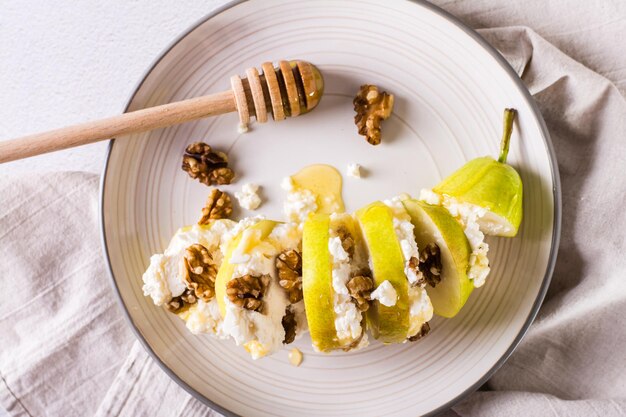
{"x":133,"y":122}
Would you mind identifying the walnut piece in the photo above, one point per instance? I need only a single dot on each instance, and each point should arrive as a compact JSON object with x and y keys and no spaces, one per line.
{"x":347,"y":241}
{"x":289,"y":324}
{"x":248,"y":291}
{"x":421,"y":333}
{"x":289,"y":266}
{"x":182,"y":302}
{"x":428,"y":267}
{"x":206,"y":165}
{"x":218,"y":206}
{"x":372,"y":107}
{"x":199,"y":271}
{"x":360,"y":287}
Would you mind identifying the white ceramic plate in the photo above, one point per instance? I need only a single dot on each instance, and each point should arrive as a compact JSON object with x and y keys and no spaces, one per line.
{"x":451,"y":89}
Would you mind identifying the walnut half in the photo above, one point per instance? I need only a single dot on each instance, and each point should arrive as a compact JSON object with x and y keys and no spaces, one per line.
{"x":372,"y":107}
{"x":428,"y":267}
{"x":289,"y":325}
{"x":360,"y":287}
{"x":289,"y":266}
{"x":182,"y":302}
{"x":218,"y":206}
{"x":248,"y":291}
{"x":199,"y":271}
{"x":206,"y":165}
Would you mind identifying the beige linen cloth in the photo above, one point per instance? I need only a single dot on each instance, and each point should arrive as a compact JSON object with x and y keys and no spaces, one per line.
{"x":65,"y":349}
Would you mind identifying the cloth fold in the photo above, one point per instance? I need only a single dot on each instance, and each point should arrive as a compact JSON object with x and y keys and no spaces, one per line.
{"x":83,"y":359}
{"x":62,"y":337}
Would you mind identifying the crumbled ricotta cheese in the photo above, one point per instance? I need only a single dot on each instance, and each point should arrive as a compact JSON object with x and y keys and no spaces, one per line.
{"x":336,"y":249}
{"x":260,"y":333}
{"x":258,"y":261}
{"x":204,"y":317}
{"x":286,"y":236}
{"x":248,"y":197}
{"x":287,"y":184}
{"x":404,"y":232}
{"x":163,"y":279}
{"x":237,"y":324}
{"x":354,"y":170}
{"x":239,"y":227}
{"x":347,"y":316}
{"x":268,"y":326}
{"x":298,"y":204}
{"x":470,"y":216}
{"x":479,"y":265}
{"x":420,"y":310}
{"x":239,"y":254}
{"x":385,"y":294}
{"x":155,"y":280}
{"x":430,"y":197}
{"x":243,"y":128}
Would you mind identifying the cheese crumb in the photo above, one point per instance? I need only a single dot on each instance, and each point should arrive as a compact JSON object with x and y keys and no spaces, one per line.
{"x":299,"y":202}
{"x":385,"y":294}
{"x":242,"y":128}
{"x":428,"y":196}
{"x":354,"y":170}
{"x":295,"y":357}
{"x":248,"y":197}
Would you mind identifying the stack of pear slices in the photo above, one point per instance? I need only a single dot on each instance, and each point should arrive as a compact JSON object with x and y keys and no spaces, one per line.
{"x":387,"y":262}
{"x":491,"y":186}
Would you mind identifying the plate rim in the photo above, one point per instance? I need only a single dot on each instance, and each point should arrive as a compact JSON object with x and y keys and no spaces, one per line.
{"x":556,"y":193}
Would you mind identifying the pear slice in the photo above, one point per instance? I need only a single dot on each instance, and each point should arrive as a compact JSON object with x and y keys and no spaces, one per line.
{"x":388,"y":324}
{"x":253,"y":236}
{"x":492,"y":185}
{"x":317,"y":287}
{"x":321,"y":301}
{"x":434,"y":224}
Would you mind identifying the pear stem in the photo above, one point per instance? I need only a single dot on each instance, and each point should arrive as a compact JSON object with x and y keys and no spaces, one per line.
{"x":509,"y":118}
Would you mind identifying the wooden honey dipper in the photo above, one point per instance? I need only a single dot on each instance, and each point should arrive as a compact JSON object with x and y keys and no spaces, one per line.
{"x":291,"y":89}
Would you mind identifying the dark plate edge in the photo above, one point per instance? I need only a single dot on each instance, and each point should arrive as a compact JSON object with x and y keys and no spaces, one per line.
{"x":556,"y":233}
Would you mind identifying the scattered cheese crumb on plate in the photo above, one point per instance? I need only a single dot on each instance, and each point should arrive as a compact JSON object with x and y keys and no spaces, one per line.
{"x":243,"y":128}
{"x":248,"y":197}
{"x":354,"y":170}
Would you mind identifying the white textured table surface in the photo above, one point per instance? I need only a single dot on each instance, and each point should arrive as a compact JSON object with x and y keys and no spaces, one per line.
{"x":64,"y":62}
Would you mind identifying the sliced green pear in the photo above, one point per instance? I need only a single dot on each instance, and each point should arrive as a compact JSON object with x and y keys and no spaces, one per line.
{"x":492,"y":185}
{"x":243,"y":242}
{"x":329,"y":307}
{"x":388,"y":324}
{"x":434,"y":224}
{"x":317,"y":287}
